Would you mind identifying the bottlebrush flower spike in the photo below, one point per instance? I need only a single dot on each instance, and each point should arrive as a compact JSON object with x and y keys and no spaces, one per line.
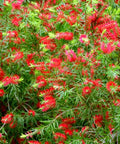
{"x":69,"y":132}
{"x":40,"y":80}
{"x":34,"y":142}
{"x":60,"y":135}
{"x":7,"y":118}
{"x":50,"y":102}
{"x":69,"y":120}
{"x":12,"y":124}
{"x":2,"y":74}
{"x":84,"y":39}
{"x":17,"y":55}
{"x":71,"y":56}
{"x":86,"y":90}
{"x":64,"y":126}
{"x":31,"y":112}
{"x":0,"y":35}
{"x":111,"y":84}
{"x":1,"y":92}
{"x":117,"y":102}
{"x":108,"y":49}
{"x":64,"y":35}
{"x":98,"y":120}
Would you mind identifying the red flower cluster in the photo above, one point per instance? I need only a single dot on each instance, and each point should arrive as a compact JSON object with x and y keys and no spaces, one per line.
{"x":2,"y":74}
{"x":71,"y":56}
{"x":8,"y":118}
{"x":60,"y":135}
{"x":64,"y":35}
{"x":34,"y":142}
{"x":1,"y":92}
{"x":86,"y":90}
{"x":11,"y":80}
{"x":31,"y":112}
{"x":40,"y":80}
{"x":50,"y":102}
{"x":108,"y":49}
{"x":98,"y":120}
{"x":110,"y":84}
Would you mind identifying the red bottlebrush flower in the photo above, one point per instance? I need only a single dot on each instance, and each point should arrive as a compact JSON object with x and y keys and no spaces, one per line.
{"x":7,"y":118}
{"x":117,"y":103}
{"x":0,"y":35}
{"x":12,"y":34}
{"x":2,"y":74}
{"x":110,"y":127}
{"x":16,"y":6}
{"x":34,"y":142}
{"x":60,"y":142}
{"x":98,"y":120}
{"x":50,"y":103}
{"x":15,"y":79}
{"x":107,"y":115}
{"x":84,"y":129}
{"x":17,"y":40}
{"x":6,"y":81}
{"x":60,"y":135}
{"x":86,"y":90}
{"x":0,"y":135}
{"x":20,"y":140}
{"x":69,"y":132}
{"x":47,"y":142}
{"x":108,"y":49}
{"x":64,"y":35}
{"x":15,"y":21}
{"x":84,"y":39}
{"x":12,"y":124}
{"x":55,"y":62}
{"x":116,"y":1}
{"x":64,"y":126}
{"x":1,"y":92}
{"x":71,"y":56}
{"x":31,"y":112}
{"x":83,"y":142}
{"x":110,"y":84}
{"x":18,"y":55}
{"x":41,"y":81}
{"x":69,"y":120}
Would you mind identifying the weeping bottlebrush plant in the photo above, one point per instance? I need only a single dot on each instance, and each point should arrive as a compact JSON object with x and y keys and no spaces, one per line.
{"x":59,"y":72}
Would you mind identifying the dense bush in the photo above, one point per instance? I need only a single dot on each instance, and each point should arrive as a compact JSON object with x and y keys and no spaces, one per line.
{"x":59,"y":72}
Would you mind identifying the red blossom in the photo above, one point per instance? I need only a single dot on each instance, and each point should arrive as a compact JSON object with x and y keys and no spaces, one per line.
{"x":1,"y":92}
{"x":64,"y":126}
{"x":71,"y":56}
{"x":15,"y":21}
{"x":50,"y":102}
{"x":86,"y":90}
{"x":110,"y":84}
{"x":98,"y":119}
{"x":60,"y":135}
{"x":0,"y":35}
{"x":12,"y":124}
{"x":108,"y":49}
{"x":2,"y":74}
{"x":34,"y":142}
{"x":64,"y":35}
{"x":69,"y":132}
{"x":31,"y":112}
{"x":17,"y":55}
{"x":40,"y":80}
{"x":7,"y":118}
{"x":69,"y":120}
